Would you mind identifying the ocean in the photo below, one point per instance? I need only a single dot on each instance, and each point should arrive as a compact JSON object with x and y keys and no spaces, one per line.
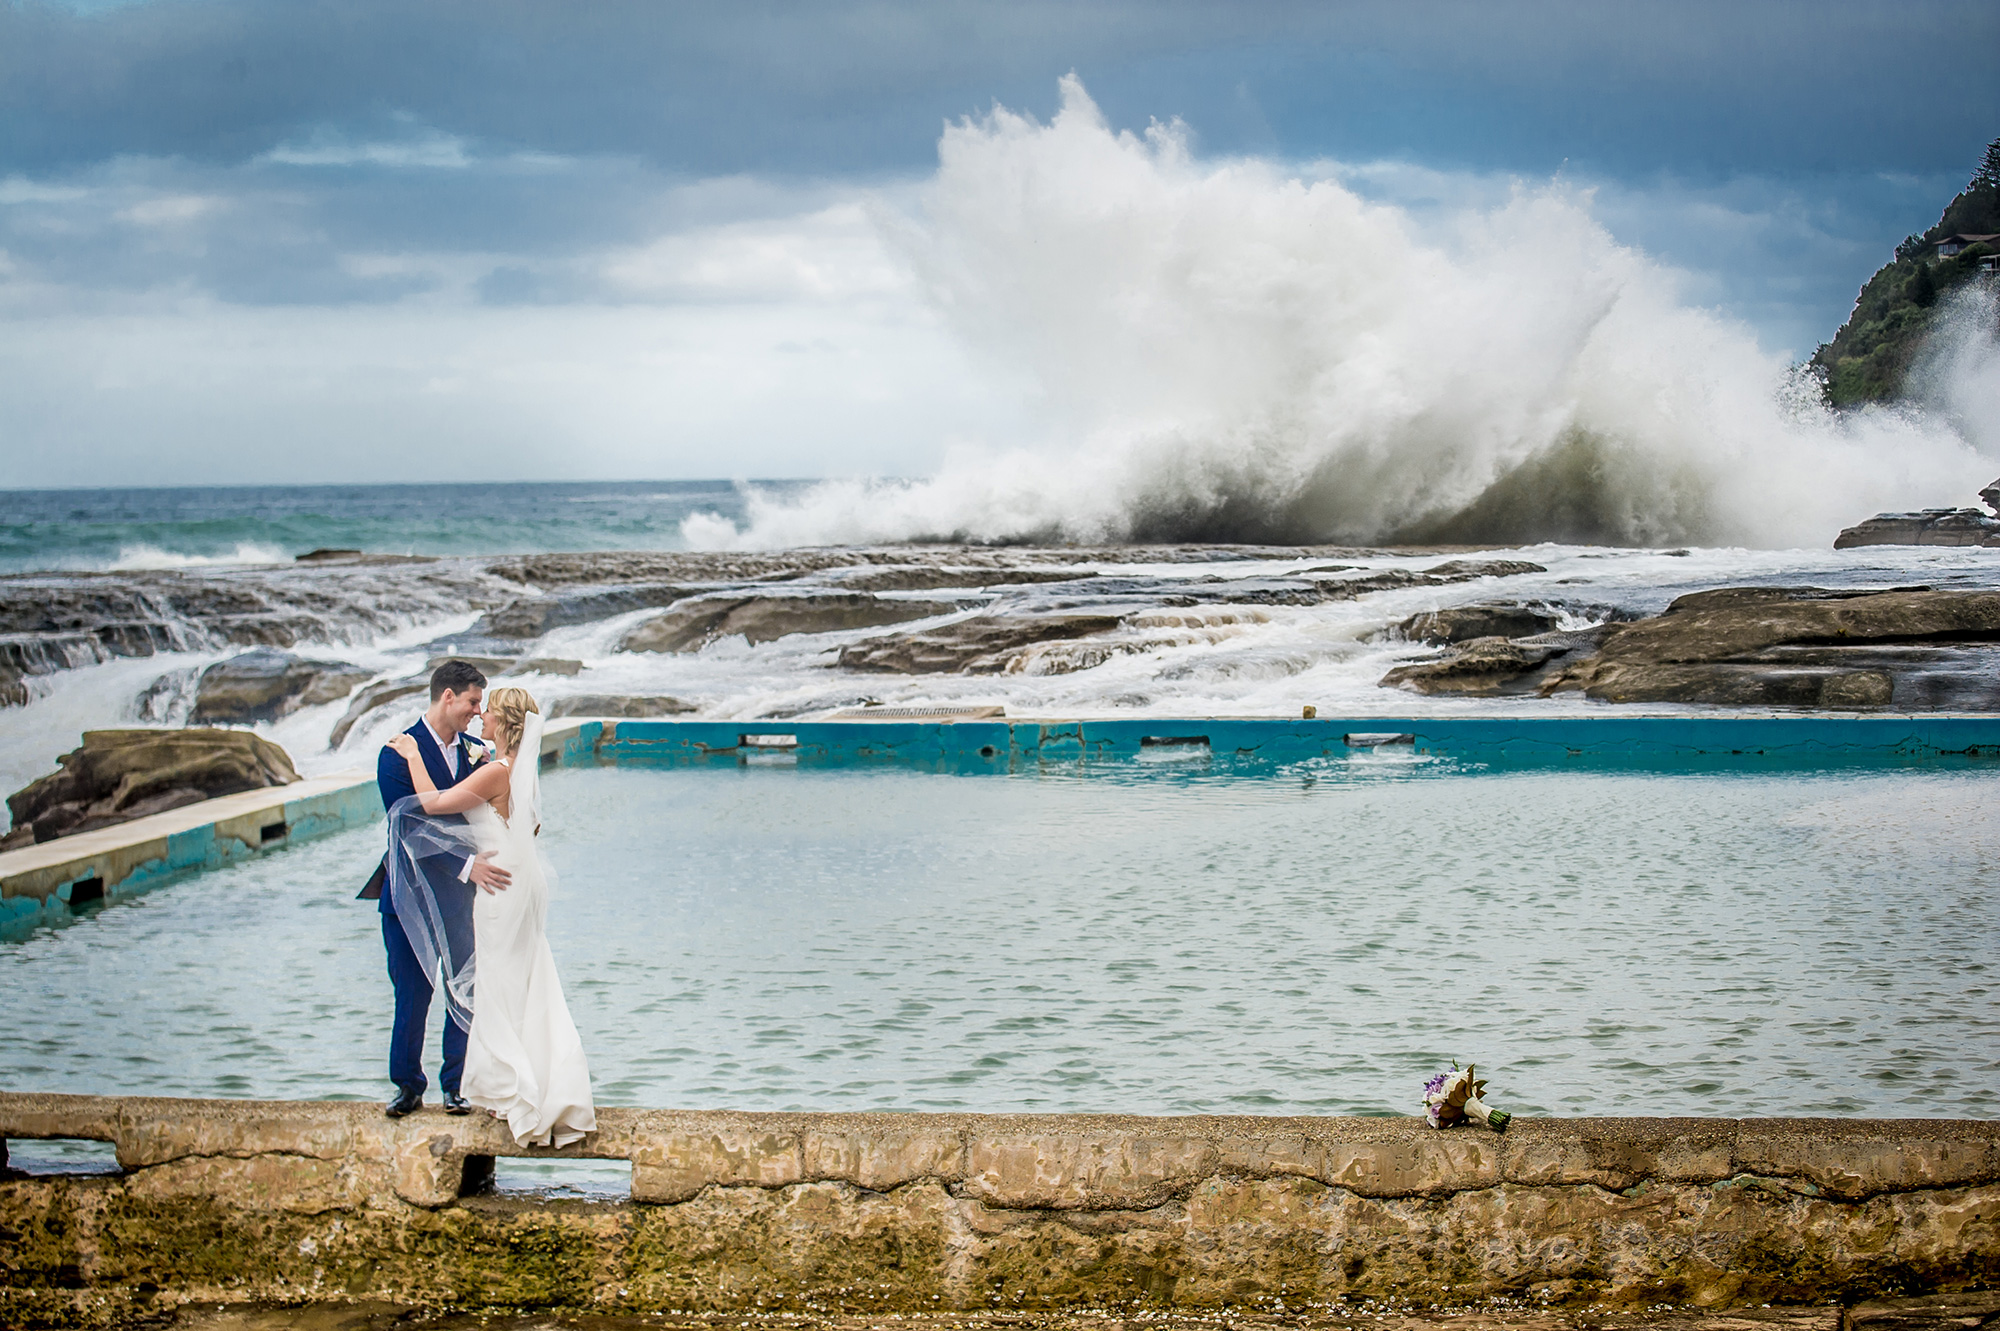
{"x":197,"y":525}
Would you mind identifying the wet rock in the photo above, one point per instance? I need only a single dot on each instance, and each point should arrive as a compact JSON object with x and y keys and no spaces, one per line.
{"x":61,"y":621}
{"x":266,"y":684}
{"x":548,"y":665}
{"x":696,"y":622}
{"x":1367,"y":584}
{"x":327,"y":555}
{"x":1482,"y":665}
{"x":169,"y":698}
{"x":118,"y":775}
{"x":1990,"y":496}
{"x":1931,"y":526}
{"x":1742,"y":685}
{"x":1791,"y":647}
{"x":930,"y":577}
{"x":13,"y":688}
{"x":629,"y":567}
{"x":488,"y":666}
{"x":982,"y":645}
{"x":532,"y":616}
{"x":1463,"y":570}
{"x":1969,"y":1310}
{"x":1454,"y":570}
{"x":1463,"y":623}
{"x":627,"y":705}
{"x":374,"y":696}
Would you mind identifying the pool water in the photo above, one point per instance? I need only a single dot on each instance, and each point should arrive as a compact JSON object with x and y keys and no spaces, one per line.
{"x":1145,"y":938}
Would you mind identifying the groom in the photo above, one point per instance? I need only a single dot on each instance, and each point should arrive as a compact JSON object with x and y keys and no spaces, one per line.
{"x":457,"y":690}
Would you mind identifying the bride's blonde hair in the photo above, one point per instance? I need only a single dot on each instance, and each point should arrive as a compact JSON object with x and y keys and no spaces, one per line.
{"x":508,"y":709}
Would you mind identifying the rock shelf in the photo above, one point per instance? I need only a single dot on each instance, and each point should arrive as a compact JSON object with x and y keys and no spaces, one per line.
{"x":225,"y":1201}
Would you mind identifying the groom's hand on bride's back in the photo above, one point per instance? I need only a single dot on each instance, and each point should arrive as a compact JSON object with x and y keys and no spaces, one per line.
{"x":489,"y":877}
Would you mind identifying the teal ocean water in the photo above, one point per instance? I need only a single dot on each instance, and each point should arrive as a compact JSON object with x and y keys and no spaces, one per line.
{"x":195,"y":525}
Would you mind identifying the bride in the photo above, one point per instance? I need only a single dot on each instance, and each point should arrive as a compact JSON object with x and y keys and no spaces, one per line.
{"x":523,"y":1060}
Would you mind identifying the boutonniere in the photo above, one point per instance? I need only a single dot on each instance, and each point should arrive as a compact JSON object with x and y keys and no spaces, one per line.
{"x":476,"y":751}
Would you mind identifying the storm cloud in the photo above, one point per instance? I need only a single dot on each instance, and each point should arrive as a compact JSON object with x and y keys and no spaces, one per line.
{"x":657,"y":238}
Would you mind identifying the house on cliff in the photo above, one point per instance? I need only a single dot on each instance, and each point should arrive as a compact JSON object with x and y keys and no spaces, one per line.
{"x":1950,"y":246}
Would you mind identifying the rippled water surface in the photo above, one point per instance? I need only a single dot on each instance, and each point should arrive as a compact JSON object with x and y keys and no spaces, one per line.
{"x":1147,"y":938}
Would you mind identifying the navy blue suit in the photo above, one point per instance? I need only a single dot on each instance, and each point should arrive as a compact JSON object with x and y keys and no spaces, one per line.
{"x":413,"y":987}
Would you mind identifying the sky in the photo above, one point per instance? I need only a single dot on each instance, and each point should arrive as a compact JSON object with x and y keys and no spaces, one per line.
{"x":259,"y":241}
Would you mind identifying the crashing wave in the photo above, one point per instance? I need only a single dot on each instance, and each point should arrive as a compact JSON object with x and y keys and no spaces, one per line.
{"x":1226,"y":351}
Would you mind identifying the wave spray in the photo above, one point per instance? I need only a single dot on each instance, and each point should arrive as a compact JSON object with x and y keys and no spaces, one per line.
{"x":1222,"y":351}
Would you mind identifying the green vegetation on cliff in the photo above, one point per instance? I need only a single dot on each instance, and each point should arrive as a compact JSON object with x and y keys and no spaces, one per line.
{"x":1870,"y":355}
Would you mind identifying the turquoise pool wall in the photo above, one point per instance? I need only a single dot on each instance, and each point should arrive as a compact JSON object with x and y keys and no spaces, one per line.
{"x":41,"y":885}
{"x":1809,"y":738}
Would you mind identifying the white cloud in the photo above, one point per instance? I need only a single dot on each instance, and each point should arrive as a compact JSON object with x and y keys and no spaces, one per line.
{"x":431,"y":150}
{"x":831,"y":255}
{"x":171,"y":210}
{"x":18,"y":189}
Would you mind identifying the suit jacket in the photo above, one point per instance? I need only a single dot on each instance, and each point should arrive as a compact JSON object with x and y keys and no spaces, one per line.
{"x":392,"y":779}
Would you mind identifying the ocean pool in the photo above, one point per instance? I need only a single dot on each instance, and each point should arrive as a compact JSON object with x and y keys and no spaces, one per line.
{"x":1171,"y":935}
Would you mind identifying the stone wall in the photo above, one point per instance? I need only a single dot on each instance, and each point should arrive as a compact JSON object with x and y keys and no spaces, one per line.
{"x":233,"y":1200}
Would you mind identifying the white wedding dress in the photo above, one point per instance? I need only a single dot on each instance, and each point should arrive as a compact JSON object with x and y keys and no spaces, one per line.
{"x":523,"y":1060}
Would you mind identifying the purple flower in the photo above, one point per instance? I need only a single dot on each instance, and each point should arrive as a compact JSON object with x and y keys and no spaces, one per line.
{"x":1435,"y":1084}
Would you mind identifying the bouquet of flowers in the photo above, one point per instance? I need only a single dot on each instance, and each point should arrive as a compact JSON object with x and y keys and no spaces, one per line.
{"x":1452,"y":1097}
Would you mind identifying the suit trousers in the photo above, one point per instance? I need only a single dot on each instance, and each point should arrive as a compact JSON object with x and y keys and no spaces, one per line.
{"x":413,"y":1009}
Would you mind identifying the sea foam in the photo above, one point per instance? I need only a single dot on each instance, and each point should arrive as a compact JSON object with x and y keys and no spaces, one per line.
{"x":1228,"y":350}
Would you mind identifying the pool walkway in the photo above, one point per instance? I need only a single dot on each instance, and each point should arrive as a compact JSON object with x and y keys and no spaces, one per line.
{"x":48,"y":883}
{"x":220,"y":1200}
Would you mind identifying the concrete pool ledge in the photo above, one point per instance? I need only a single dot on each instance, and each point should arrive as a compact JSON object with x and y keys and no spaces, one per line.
{"x":232,"y":1200}
{"x":49,"y":882}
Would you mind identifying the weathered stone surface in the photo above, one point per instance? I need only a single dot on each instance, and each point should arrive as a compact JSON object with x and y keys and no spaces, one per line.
{"x":1464,"y":570}
{"x":1346,"y":588}
{"x":913,"y":1213}
{"x":692,"y":624}
{"x":1782,"y":646}
{"x":548,"y":665}
{"x":1931,"y":526}
{"x":1463,"y":623}
{"x":374,"y":696}
{"x":1740,"y":685}
{"x":629,"y":705}
{"x":62,"y":620}
{"x":489,"y":666}
{"x":1147,"y":1306}
{"x":266,"y":684}
{"x":118,"y":775}
{"x":674,"y":1166}
{"x":932,"y":577}
{"x":532,"y":616}
{"x":981,"y":645}
{"x":1971,"y":1310}
{"x":1482,"y":665}
{"x":1083,"y":1171}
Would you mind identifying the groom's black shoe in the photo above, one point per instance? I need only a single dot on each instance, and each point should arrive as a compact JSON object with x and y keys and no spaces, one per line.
{"x":454,"y":1103}
{"x":406,"y":1102}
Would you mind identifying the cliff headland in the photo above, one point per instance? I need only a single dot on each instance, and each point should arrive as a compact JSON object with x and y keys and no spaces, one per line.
{"x":1870,"y":358}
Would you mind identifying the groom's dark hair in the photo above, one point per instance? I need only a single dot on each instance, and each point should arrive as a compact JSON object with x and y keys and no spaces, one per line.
{"x":457,"y":676}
